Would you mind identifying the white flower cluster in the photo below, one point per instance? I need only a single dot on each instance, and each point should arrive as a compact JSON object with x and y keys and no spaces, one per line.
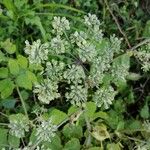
{"x":19,"y":124}
{"x":47,"y":91}
{"x":37,"y":52}
{"x":74,"y":74}
{"x":54,"y":70}
{"x":45,"y":131}
{"x":115,"y":44}
{"x":77,"y":96}
{"x":104,"y":96}
{"x":144,"y":57}
{"x":90,"y":58}
{"x":58,"y":45}
{"x":60,"y":25}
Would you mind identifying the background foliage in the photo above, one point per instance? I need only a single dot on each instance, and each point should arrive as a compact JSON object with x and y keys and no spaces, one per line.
{"x":125,"y":125}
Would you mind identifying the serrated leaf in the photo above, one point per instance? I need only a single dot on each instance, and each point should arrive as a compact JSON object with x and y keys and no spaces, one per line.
{"x":31,"y":76}
{"x":73,"y":144}
{"x":144,"y":113}
{"x":57,"y":116}
{"x":23,"y":81}
{"x":70,"y":131}
{"x":3,"y":72}
{"x":55,"y":143}
{"x":22,"y":61}
{"x":6,"y":88}
{"x":13,"y":66}
{"x":8,"y":46}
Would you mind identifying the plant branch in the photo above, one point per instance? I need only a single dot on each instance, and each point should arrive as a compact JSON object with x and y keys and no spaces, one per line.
{"x":22,"y":101}
{"x":140,"y":44}
{"x":118,"y":25}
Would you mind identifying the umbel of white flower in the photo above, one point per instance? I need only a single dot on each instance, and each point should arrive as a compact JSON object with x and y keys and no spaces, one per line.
{"x":77,"y":96}
{"x":45,"y":131}
{"x":37,"y":52}
{"x":60,"y":25}
{"x":47,"y":91}
{"x":77,"y":57}
{"x":19,"y":124}
{"x":104,"y":96}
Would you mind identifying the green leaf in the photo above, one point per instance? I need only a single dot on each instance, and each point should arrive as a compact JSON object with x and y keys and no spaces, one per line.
{"x":8,"y":46}
{"x":73,"y":144}
{"x":23,"y":81}
{"x":3,"y":137}
{"x":6,"y":88}
{"x":100,"y":114}
{"x":13,"y":141}
{"x":8,"y":103}
{"x":31,"y":76}
{"x":13,"y":66}
{"x":55,"y":143}
{"x":2,"y":57}
{"x":3,"y":72}
{"x":146,"y":32}
{"x":90,"y":109}
{"x":144,"y":113}
{"x":72,"y":110}
{"x":113,"y":146}
{"x":70,"y":131}
{"x":57,"y":116}
{"x":22,"y":61}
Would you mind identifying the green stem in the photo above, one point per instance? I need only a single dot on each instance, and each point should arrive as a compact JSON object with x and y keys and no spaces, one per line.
{"x":22,"y":101}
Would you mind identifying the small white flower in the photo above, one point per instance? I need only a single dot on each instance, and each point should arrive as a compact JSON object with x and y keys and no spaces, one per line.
{"x":91,"y":19}
{"x":58,"y":45}
{"x":37,"y":52}
{"x":45,"y":130}
{"x":60,"y":25}
{"x":77,"y":96}
{"x":74,"y":73}
{"x":19,"y":124}
{"x":104,"y":96}
{"x":47,"y":91}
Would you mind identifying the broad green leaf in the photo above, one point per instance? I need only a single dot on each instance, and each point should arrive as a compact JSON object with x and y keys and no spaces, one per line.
{"x":13,"y":141}
{"x":22,"y":61}
{"x":57,"y":116}
{"x":133,"y":125}
{"x":90,"y":109}
{"x":101,"y":114}
{"x":55,"y":143}
{"x":72,"y":110}
{"x":6,"y":88}
{"x":8,"y":46}
{"x":70,"y":131}
{"x":113,"y":146}
{"x":2,"y":57}
{"x":23,"y":81}
{"x":31,"y":76}
{"x":3,"y":137}
{"x":33,"y":137}
{"x":73,"y":144}
{"x":3,"y":72}
{"x":145,"y":112}
{"x":13,"y":66}
{"x":8,"y":103}
{"x":121,"y":125}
